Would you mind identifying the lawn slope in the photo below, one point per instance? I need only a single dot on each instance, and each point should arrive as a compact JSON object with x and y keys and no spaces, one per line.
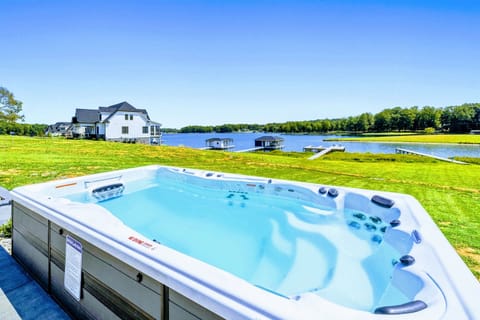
{"x":449,"y":192}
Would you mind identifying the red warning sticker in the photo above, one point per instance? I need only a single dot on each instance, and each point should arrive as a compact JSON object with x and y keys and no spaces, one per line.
{"x":141,"y":242}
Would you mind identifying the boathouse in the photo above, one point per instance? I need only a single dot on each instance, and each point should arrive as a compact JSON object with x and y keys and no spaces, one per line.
{"x":219,"y":143}
{"x":269,"y":142}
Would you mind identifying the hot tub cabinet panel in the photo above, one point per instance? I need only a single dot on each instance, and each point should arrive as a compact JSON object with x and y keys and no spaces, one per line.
{"x":182,"y":308}
{"x":109,"y":281}
{"x":111,"y":289}
{"x":305,"y":268}
{"x":30,"y":242}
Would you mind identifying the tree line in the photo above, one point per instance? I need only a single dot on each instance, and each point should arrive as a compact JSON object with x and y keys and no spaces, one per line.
{"x":451,"y":119}
{"x":223,"y":128}
{"x":22,"y":129}
{"x":11,"y":113}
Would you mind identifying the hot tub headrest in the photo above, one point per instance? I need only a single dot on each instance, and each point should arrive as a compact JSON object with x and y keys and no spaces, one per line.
{"x":108,"y":191}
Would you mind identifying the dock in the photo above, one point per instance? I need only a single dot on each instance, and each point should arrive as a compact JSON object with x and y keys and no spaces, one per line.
{"x":315,"y":149}
{"x":323,"y":151}
{"x":266,"y":143}
{"x":405,"y":151}
{"x":216,"y":148}
{"x":251,"y":149}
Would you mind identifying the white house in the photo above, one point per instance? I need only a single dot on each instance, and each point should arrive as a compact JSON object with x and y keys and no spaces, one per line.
{"x":119,"y":122}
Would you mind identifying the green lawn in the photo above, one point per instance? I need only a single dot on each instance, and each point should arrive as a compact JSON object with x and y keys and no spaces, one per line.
{"x":420,"y":138}
{"x":449,"y":192}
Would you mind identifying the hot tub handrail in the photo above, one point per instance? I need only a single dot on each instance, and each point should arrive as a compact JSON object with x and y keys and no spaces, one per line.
{"x":409,"y":307}
{"x":89,"y":183}
{"x":5,"y":197}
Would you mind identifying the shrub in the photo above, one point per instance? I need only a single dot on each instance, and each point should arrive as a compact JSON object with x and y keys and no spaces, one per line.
{"x":429,"y":130}
{"x":6,"y":229}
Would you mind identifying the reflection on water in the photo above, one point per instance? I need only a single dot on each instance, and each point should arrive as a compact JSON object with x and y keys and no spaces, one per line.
{"x":297,"y":142}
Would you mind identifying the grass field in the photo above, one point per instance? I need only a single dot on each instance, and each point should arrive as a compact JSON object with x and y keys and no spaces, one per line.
{"x":449,"y":192}
{"x":420,"y":138}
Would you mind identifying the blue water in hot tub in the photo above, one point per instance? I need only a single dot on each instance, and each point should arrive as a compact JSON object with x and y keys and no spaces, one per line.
{"x":284,"y":245}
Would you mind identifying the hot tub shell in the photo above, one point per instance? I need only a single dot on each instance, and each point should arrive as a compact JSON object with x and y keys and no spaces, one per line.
{"x":125,"y":275}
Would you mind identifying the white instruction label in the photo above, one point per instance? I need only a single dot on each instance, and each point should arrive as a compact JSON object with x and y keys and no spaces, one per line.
{"x":73,"y":267}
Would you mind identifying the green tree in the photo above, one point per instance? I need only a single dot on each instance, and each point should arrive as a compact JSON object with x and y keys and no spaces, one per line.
{"x":382,"y":120}
{"x":365,"y":122}
{"x":406,"y":118}
{"x":428,"y":117}
{"x":10,"y":108}
{"x":476,"y":118}
{"x":459,"y":118}
{"x":326,"y":125}
{"x":395,"y":121}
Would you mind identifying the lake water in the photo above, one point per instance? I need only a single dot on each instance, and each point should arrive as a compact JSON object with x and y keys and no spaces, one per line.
{"x":297,"y":142}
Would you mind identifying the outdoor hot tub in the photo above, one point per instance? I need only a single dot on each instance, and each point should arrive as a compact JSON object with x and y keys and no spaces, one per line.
{"x":162,"y":242}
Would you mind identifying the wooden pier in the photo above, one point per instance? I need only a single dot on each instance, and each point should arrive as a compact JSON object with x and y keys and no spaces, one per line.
{"x":313,"y":148}
{"x":251,"y":149}
{"x":322,"y":150}
{"x":405,"y":151}
{"x":215,"y":148}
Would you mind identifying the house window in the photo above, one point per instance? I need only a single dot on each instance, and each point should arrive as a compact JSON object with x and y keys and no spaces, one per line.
{"x":155,"y":130}
{"x":145,"y":130}
{"x":125,"y":130}
{"x":126,"y":117}
{"x":131,"y":117}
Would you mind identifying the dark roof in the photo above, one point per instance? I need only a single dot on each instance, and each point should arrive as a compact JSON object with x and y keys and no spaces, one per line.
{"x":219,"y":139}
{"x":122,"y":106}
{"x":60,"y":124}
{"x":269,"y":138}
{"x":86,"y":115}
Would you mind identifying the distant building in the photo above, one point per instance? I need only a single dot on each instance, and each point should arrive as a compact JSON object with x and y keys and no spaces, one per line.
{"x":119,"y":122}
{"x":58,"y":129}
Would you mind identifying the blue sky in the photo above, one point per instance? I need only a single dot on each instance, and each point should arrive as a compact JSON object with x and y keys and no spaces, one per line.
{"x":215,"y":62}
